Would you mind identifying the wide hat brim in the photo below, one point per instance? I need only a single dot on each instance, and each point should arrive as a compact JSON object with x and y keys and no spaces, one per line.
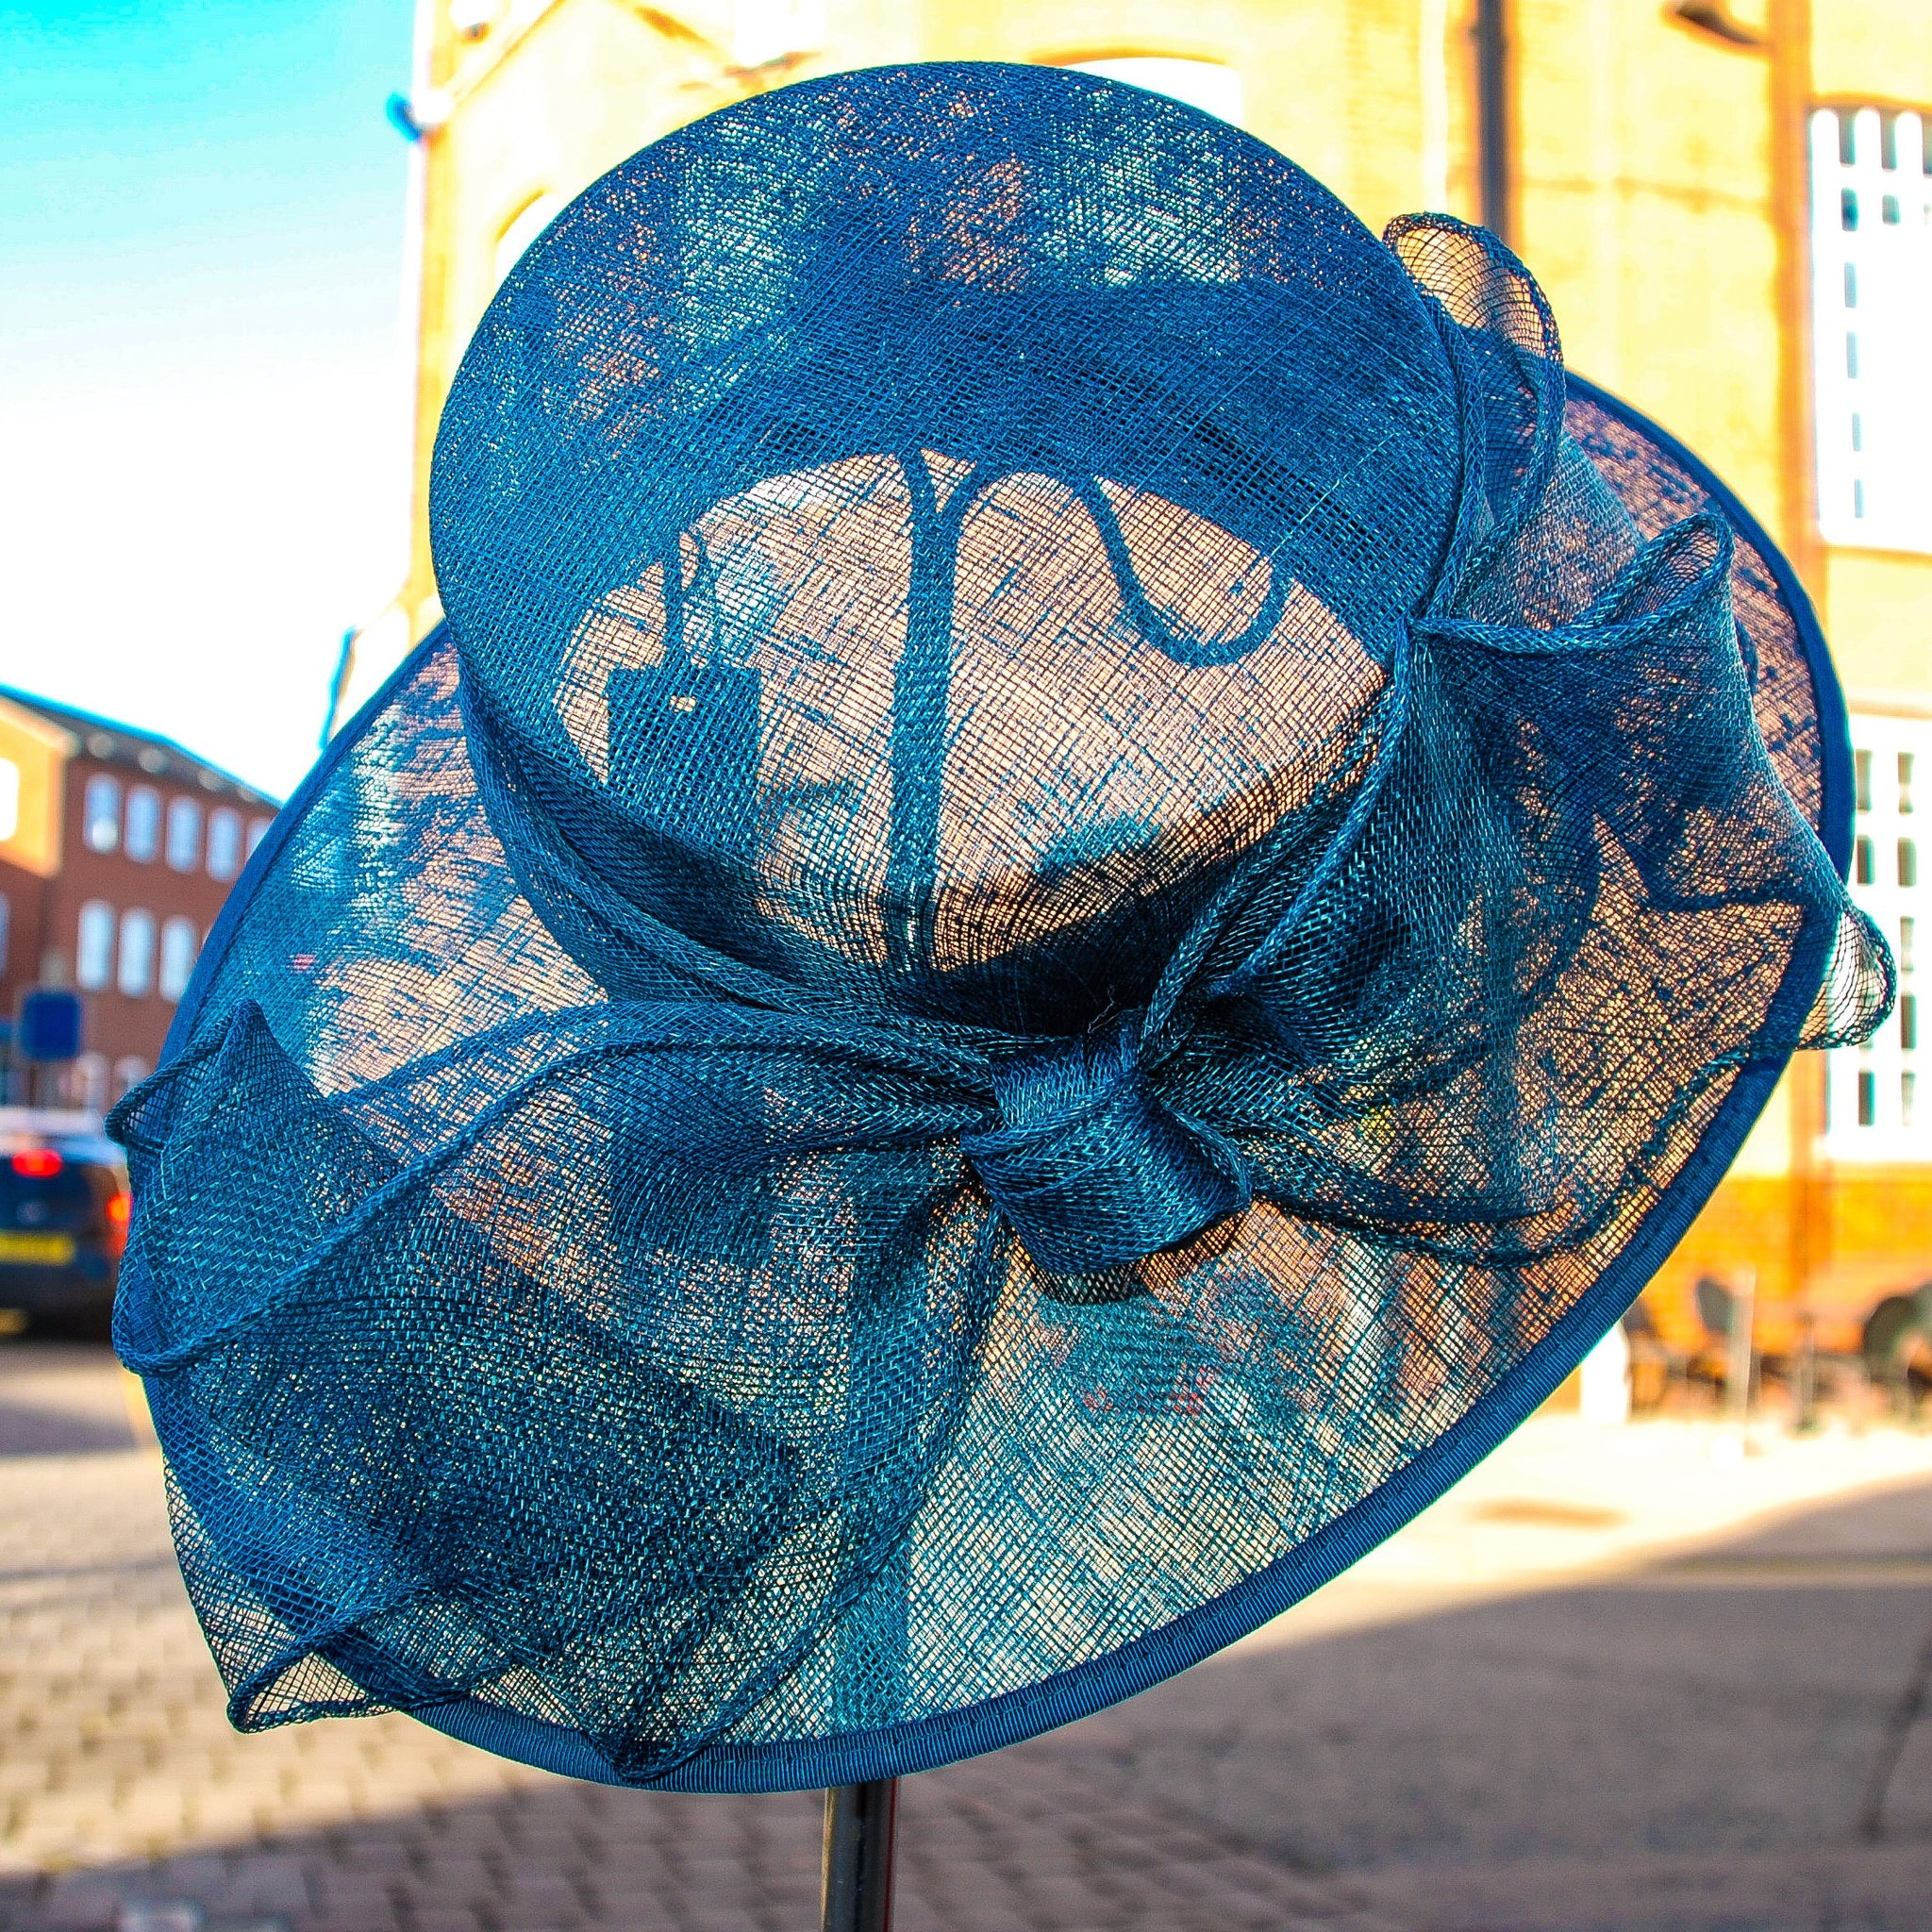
{"x":379,"y":959}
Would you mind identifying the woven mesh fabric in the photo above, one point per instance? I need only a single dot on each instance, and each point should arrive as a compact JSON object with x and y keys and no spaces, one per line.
{"x":1087,"y":875}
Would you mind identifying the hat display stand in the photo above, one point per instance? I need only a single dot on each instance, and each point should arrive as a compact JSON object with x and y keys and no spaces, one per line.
{"x":861,"y":1831}
{"x":1087,"y":875}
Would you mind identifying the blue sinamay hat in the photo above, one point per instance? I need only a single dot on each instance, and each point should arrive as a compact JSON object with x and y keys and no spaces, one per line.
{"x":1087,"y":873}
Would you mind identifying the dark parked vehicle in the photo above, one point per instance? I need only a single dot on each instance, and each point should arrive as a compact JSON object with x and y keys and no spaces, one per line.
{"x":63,"y":1222}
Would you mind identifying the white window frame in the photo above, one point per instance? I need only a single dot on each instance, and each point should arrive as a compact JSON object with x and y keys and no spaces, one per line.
{"x":134,"y":959}
{"x":100,"y":813}
{"x":224,"y":843}
{"x":143,"y":824}
{"x":1874,"y":1076}
{"x":184,"y":834}
{"x":94,"y":946}
{"x":180,"y":943}
{"x":1872,"y":326}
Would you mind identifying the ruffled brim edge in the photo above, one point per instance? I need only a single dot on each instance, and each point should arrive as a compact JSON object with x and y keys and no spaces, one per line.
{"x":898,"y":1749}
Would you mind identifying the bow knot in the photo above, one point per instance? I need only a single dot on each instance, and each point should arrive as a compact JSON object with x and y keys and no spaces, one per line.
{"x":1091,"y":1166}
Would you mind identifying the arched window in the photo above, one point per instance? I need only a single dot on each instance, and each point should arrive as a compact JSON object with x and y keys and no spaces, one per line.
{"x":93,"y":961}
{"x":258,"y":831}
{"x":224,"y":843}
{"x":135,"y":976}
{"x":100,"y":813}
{"x":178,"y":948}
{"x":184,"y":834}
{"x":143,"y":824}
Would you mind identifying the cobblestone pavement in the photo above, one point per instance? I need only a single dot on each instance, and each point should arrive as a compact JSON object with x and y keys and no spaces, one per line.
{"x":1475,"y":1732}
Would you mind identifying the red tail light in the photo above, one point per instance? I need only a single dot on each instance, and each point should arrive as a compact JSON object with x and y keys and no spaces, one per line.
{"x":118,"y":1208}
{"x":38,"y":1164}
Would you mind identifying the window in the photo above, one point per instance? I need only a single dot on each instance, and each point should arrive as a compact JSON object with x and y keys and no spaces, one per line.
{"x":224,"y":843}
{"x":5,"y":929}
{"x":1871,"y":1092}
{"x":128,"y":1073}
{"x":100,"y":813}
{"x":184,"y":834}
{"x":143,"y":824}
{"x":258,"y":831}
{"x":9,"y":798}
{"x":178,"y":947}
{"x":93,"y":956}
{"x":1875,"y":486}
{"x":135,"y":973}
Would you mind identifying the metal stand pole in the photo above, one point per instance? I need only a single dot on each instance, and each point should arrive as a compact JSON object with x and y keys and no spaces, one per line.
{"x":860,"y":1821}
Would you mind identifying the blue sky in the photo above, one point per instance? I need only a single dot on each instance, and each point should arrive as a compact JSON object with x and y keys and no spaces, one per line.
{"x":202,"y":403}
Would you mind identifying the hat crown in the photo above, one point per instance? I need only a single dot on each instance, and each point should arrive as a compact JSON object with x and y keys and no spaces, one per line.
{"x":915,"y":531}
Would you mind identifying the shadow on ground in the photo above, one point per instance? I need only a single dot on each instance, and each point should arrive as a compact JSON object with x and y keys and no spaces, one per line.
{"x":28,"y":1431}
{"x":1686,"y":1749}
{"x":60,"y":1398}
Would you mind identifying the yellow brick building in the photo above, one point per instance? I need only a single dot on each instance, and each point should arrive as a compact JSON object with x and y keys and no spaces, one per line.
{"x":1730,"y":206}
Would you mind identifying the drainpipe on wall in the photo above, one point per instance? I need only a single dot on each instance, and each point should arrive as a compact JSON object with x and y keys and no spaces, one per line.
{"x":1790,"y":194}
{"x":1789,"y":34}
{"x":1490,"y":34}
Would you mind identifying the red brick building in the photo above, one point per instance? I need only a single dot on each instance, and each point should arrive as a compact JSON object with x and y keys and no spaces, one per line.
{"x":117,"y":849}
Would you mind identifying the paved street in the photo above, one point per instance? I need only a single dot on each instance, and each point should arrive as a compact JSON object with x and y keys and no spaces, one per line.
{"x":1608,"y":1683}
